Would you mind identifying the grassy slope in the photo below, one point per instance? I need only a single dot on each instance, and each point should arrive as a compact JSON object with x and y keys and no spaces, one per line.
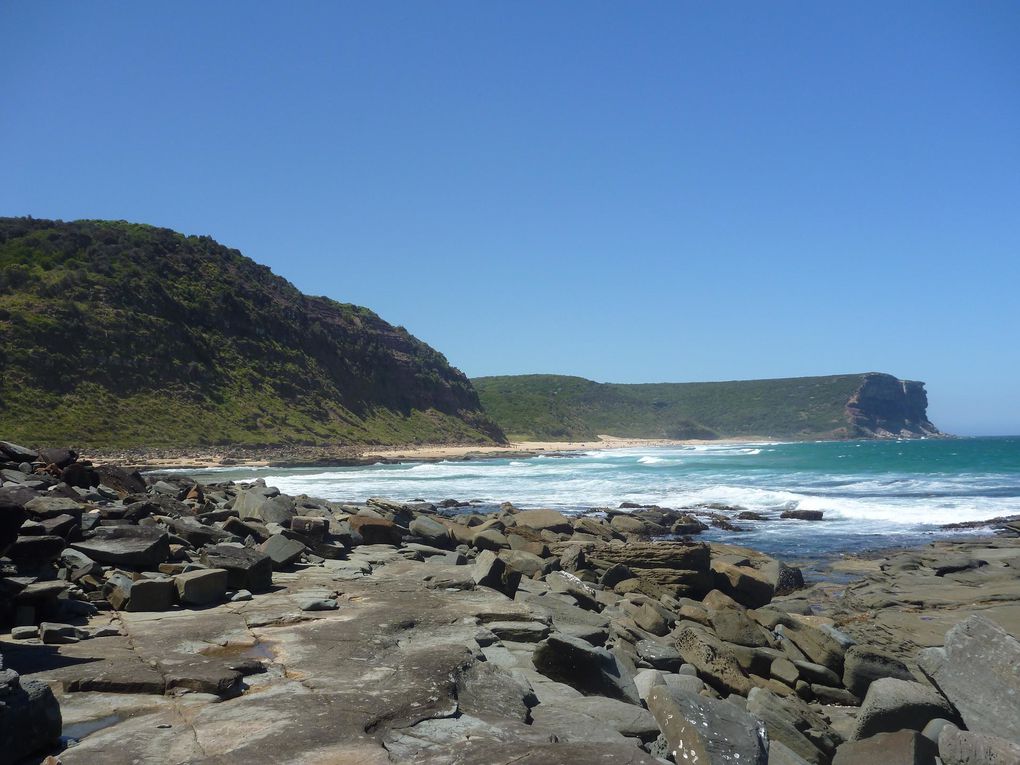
{"x":118,"y":334}
{"x":555,"y":407}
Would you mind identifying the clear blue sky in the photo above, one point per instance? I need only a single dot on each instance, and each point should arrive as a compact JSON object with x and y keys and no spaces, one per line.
{"x":630,"y":192}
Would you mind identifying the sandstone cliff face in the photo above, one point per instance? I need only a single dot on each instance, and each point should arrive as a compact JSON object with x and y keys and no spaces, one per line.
{"x":885,"y":407}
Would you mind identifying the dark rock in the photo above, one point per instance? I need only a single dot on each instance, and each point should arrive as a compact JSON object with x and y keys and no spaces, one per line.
{"x":203,"y":587}
{"x":254,"y":504}
{"x":12,"y":515}
{"x":59,"y":456}
{"x":704,"y":730}
{"x":36,"y":548}
{"x":550,"y":520}
{"x":141,"y":547}
{"x":957,"y":747}
{"x":147,"y":594}
{"x":796,"y":725}
{"x":803,"y":515}
{"x":976,"y":671}
{"x":862,"y":665}
{"x":489,"y":570}
{"x":18,"y":453}
{"x":282,"y":551}
{"x":902,"y":747}
{"x":30,"y":721}
{"x":375,"y":531}
{"x":614,"y":575}
{"x":121,"y":480}
{"x":582,"y":666}
{"x":310,"y":527}
{"x":484,"y":689}
{"x":659,"y":655}
{"x":80,"y":474}
{"x":892,"y":705}
{"x":51,"y":507}
{"x":196,"y":533}
{"x":318,"y":604}
{"x":247,"y":569}
{"x":52,"y":633}
{"x":715,"y":663}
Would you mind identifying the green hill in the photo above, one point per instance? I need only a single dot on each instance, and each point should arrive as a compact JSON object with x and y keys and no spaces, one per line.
{"x":117,"y":334}
{"x":558,"y":408}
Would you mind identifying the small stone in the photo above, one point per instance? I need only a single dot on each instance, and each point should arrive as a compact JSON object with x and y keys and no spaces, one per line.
{"x":25,"y":633}
{"x":240,"y":596}
{"x":318,"y":604}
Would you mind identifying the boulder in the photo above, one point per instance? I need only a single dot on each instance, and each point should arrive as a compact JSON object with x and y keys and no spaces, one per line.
{"x":50,"y":507}
{"x":281,"y":550}
{"x":627,"y":719}
{"x":707,"y":731}
{"x":862,"y":665}
{"x":715,"y":663}
{"x":957,"y":747}
{"x":36,"y":548}
{"x":12,"y":515}
{"x":376,"y":531}
{"x":431,"y":530}
{"x":528,"y":564}
{"x":489,"y":570}
{"x":255,"y":504}
{"x":202,"y":587}
{"x":59,"y":456}
{"x":30,"y":721}
{"x":80,"y":474}
{"x":147,"y":594}
{"x":139,"y":547}
{"x":793,"y":723}
{"x":582,"y":666}
{"x":196,"y":533}
{"x":977,"y":670}
{"x":802,"y":515}
{"x":247,"y":569}
{"x":892,"y":705}
{"x":902,"y":747}
{"x":745,"y":584}
{"x":549,"y":520}
{"x":17,"y":453}
{"x":659,"y":655}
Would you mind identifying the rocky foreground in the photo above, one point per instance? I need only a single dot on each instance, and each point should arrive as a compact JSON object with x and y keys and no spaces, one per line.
{"x":157,"y":620}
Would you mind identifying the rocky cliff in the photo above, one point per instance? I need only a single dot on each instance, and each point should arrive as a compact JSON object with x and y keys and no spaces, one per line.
{"x":118,"y":334}
{"x":555,"y":407}
{"x":885,"y":407}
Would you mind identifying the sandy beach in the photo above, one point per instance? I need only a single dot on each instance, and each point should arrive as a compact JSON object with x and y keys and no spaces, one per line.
{"x":358,"y":455}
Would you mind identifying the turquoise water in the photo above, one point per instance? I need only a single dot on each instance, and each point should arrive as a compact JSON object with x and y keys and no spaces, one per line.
{"x":874,"y":493}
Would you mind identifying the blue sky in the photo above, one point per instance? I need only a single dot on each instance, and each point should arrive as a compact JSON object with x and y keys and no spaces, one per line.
{"x":628,"y":192}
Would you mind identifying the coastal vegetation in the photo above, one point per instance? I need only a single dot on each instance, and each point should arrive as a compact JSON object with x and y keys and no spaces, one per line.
{"x":120,"y":334}
{"x":563,"y":408}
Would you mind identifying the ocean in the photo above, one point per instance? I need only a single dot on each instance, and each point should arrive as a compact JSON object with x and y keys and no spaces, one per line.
{"x":874,"y":494}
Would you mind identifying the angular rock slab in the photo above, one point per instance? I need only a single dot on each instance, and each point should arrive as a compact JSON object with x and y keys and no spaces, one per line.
{"x":707,"y":731}
{"x":247,"y":569}
{"x":142,"y":547}
{"x":978,"y":670}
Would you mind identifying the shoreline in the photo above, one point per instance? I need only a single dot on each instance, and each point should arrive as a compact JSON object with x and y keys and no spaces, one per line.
{"x":350,"y":456}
